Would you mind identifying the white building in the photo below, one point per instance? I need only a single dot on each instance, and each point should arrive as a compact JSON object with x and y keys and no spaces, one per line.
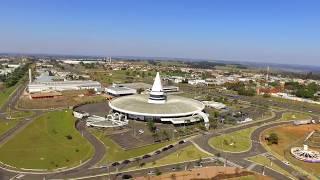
{"x":62,"y":86}
{"x":197,"y":81}
{"x":120,"y":90}
{"x":213,"y":104}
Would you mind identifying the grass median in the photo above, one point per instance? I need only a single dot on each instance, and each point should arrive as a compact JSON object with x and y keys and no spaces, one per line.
{"x":49,"y":142}
{"x":238,"y":141}
{"x":289,"y":116}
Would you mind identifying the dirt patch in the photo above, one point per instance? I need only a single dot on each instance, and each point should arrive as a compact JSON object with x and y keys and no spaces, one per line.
{"x":68,"y":98}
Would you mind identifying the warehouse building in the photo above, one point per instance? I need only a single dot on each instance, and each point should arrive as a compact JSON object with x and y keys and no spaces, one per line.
{"x":34,"y":87}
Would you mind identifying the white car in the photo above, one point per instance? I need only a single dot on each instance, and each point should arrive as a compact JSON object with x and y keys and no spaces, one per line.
{"x":141,"y":131}
{"x":286,"y":163}
{"x":151,"y":173}
{"x":198,"y":166}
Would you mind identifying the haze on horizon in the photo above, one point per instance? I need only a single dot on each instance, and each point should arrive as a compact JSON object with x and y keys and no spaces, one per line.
{"x":275,"y":31}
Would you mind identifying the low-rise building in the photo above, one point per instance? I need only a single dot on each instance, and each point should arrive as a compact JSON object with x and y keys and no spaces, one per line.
{"x":213,"y":104}
{"x":117,"y":90}
{"x":61,"y":86}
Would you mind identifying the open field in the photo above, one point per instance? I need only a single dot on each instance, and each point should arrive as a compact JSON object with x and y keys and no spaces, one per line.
{"x":50,"y":142}
{"x":290,"y":136}
{"x":68,"y":98}
{"x":121,"y":76}
{"x":116,"y":153}
{"x":294,"y":116}
{"x":188,"y":153}
{"x":264,"y":161}
{"x":237,"y":141}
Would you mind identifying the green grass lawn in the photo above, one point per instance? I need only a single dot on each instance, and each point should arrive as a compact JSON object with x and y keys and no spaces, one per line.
{"x":4,"y":94}
{"x":188,"y":153}
{"x":294,"y":116}
{"x":49,"y":142}
{"x":237,"y":141}
{"x":264,"y":161}
{"x":116,"y":153}
{"x":5,"y":125}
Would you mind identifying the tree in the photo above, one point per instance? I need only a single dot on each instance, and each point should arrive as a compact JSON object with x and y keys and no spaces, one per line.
{"x":151,"y":126}
{"x":165,"y":135}
{"x":273,"y":139}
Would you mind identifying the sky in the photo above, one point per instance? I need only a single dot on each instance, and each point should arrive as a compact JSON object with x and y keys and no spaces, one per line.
{"x":278,"y":31}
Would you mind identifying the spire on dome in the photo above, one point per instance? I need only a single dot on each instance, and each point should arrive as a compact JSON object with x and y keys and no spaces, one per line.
{"x":157,"y":86}
{"x":157,"y":95}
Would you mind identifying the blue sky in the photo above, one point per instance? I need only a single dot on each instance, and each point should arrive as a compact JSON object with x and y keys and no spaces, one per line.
{"x":259,"y":30}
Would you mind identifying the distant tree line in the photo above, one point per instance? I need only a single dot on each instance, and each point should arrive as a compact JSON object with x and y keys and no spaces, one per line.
{"x":204,"y":64}
{"x":87,"y":65}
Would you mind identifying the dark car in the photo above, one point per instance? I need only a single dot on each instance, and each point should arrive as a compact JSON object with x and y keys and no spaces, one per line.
{"x":181,"y":142}
{"x":146,"y":156}
{"x":126,"y":161}
{"x":127,"y":176}
{"x":170,"y":146}
{"x":115,"y":164}
{"x":157,"y":152}
{"x":164,"y":149}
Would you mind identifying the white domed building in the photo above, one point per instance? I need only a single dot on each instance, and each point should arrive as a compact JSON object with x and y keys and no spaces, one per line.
{"x":160,"y":107}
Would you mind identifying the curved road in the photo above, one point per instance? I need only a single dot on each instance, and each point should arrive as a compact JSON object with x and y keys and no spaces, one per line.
{"x":256,"y":148}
